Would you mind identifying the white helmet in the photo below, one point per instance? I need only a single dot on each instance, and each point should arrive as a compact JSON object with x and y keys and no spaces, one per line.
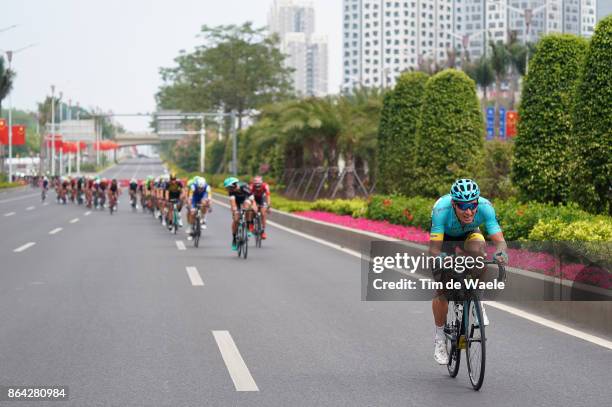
{"x":201,"y":182}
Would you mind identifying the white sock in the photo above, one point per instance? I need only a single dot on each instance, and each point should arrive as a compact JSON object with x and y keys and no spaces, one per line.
{"x":439,"y":332}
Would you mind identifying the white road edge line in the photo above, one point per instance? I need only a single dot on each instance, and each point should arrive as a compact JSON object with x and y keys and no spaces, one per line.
{"x":551,"y":324}
{"x":238,"y":370}
{"x":511,"y":310}
{"x":9,"y":214}
{"x":54,"y":231}
{"x":75,"y":220}
{"x":180,"y":245}
{"x":24,"y":247}
{"x":194,"y":276}
{"x":30,"y":208}
{"x":19,"y":198}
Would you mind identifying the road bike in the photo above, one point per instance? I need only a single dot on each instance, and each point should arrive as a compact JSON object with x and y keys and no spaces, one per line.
{"x":197,"y":226}
{"x":175,"y":216}
{"x":242,"y":235}
{"x":43,"y":195}
{"x":133,"y":200}
{"x":464,"y":330}
{"x":112,"y":202}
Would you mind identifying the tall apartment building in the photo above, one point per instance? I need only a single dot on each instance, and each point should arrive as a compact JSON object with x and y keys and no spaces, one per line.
{"x":294,"y":22}
{"x":382,"y":38}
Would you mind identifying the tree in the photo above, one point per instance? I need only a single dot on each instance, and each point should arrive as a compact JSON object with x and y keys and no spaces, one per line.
{"x":482,"y":73}
{"x":7,"y":78}
{"x":239,"y":68}
{"x":397,"y":134}
{"x":542,"y":146}
{"x":450,"y":132}
{"x":592,"y":124}
{"x":500,"y":60}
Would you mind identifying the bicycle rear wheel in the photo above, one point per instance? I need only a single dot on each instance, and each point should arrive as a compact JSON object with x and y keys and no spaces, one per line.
{"x":452,"y":329}
{"x":476,"y":344}
{"x":258,"y":231}
{"x":245,"y":241}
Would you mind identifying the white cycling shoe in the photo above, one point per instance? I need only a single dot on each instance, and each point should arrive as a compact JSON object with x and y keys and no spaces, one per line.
{"x":440,"y":352}
{"x":485,"y":318}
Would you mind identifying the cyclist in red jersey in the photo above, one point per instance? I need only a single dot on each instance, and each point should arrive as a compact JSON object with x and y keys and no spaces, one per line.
{"x":261,"y":192}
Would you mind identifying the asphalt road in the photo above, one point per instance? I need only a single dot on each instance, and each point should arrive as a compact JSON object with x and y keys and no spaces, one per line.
{"x":113,"y":308}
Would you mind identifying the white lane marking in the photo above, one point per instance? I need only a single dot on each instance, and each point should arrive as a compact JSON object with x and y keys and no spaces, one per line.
{"x":87,"y":213}
{"x":46,"y":203}
{"x":9,"y":214}
{"x":511,"y":310}
{"x":75,"y":220}
{"x":551,"y":324}
{"x":19,"y":198}
{"x":238,"y":370}
{"x":30,"y":208}
{"x":24,"y":247}
{"x":194,"y":276}
{"x":180,"y":245}
{"x":54,"y":231}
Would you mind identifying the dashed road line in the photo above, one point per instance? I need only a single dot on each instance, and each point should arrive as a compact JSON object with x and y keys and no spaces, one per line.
{"x":180,"y":245}
{"x":30,"y":208}
{"x":238,"y":370}
{"x":56,"y":230}
{"x":19,"y":198}
{"x":24,"y":247}
{"x":9,"y":214}
{"x":194,"y":276}
{"x":75,"y":220}
{"x":87,"y":213}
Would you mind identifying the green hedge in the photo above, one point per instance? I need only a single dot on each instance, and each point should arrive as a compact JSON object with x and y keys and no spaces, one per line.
{"x":543,"y":150}
{"x":354,"y":207}
{"x":450,"y":134}
{"x":397,"y":134}
{"x":592,"y":120}
{"x":9,"y":185}
{"x":400,"y":210}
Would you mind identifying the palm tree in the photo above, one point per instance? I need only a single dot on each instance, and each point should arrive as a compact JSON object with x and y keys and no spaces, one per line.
{"x":500,"y":60}
{"x":357,"y":118}
{"x":482,"y":73}
{"x":7,"y":77}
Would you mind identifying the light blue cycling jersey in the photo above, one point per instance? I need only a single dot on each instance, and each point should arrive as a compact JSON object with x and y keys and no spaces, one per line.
{"x":444,"y":221}
{"x":199,"y":194}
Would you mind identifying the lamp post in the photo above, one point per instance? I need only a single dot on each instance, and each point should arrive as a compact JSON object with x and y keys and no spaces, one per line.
{"x":9,"y":56}
{"x":53,"y":130}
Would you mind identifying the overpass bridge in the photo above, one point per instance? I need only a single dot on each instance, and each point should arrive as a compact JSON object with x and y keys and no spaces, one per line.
{"x":137,"y":139}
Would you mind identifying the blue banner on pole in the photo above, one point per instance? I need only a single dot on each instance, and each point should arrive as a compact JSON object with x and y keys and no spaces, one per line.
{"x":490,"y":123}
{"x":502,"y":122}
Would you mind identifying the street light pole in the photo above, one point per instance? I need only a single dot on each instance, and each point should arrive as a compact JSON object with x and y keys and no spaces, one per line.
{"x":53,"y":130}
{"x":9,"y":55}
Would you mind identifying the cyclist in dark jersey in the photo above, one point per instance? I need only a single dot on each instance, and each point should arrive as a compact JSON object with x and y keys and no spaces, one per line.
{"x":174,"y":193}
{"x":241,"y":198}
{"x":261,"y":193}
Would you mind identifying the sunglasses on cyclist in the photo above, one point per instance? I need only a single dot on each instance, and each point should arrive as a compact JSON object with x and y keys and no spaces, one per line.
{"x":464,"y":206}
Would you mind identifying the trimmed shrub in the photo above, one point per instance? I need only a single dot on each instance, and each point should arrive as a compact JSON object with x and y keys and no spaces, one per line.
{"x":592,"y":122}
{"x":542,"y":147}
{"x":397,"y":134}
{"x":494,"y":181}
{"x":399,"y":210}
{"x":354,"y":207}
{"x":450,"y":133}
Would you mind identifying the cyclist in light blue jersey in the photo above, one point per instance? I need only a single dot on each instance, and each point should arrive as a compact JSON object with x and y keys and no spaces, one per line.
{"x":455,"y":221}
{"x":200,"y":198}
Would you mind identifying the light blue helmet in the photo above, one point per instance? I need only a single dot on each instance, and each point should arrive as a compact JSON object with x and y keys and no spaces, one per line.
{"x":464,"y":190}
{"x":230,"y":181}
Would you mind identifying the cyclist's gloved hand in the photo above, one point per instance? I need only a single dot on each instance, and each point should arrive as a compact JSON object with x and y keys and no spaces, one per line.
{"x":501,"y":256}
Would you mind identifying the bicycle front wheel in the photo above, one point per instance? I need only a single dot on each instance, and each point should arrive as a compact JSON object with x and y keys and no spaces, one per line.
{"x":476,"y":344}
{"x":452,"y":330}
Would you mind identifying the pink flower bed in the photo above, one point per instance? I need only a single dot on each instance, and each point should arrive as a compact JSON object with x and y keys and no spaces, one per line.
{"x":519,"y":258}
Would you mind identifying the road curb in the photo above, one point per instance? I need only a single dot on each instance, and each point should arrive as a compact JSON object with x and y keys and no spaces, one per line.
{"x":592,"y":316}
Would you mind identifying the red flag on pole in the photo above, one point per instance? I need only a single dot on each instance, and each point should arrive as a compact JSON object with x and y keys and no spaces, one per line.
{"x":19,"y":135}
{"x":3,"y":132}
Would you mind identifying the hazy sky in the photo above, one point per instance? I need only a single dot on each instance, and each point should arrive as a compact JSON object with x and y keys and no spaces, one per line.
{"x":107,"y":53}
